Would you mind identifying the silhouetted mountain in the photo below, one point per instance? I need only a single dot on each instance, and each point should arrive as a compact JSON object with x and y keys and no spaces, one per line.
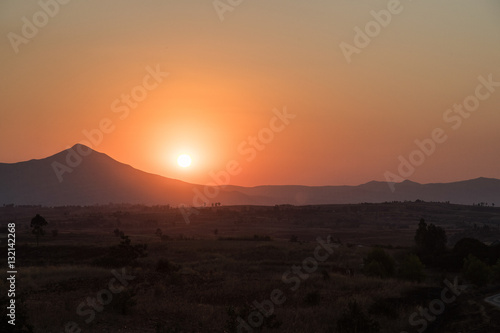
{"x":92,"y":179}
{"x":98,"y":179}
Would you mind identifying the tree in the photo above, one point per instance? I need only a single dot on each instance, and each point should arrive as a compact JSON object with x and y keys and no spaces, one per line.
{"x":412,"y":269}
{"x":122,"y":254}
{"x":467,"y":246}
{"x":421,"y":232}
{"x":430,"y":240}
{"x":37,"y":224}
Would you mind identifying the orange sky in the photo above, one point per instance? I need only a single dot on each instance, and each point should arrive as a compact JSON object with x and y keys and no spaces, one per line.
{"x":352,"y":120}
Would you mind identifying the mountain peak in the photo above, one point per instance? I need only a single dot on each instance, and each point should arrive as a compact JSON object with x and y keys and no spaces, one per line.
{"x":81,"y":145}
{"x":409,"y":182}
{"x":81,"y":149}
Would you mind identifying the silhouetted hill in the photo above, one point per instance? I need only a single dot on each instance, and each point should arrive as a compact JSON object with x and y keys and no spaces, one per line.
{"x":99,"y":179}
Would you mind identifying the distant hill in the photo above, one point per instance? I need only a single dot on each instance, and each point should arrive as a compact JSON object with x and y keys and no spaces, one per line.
{"x":99,"y":179}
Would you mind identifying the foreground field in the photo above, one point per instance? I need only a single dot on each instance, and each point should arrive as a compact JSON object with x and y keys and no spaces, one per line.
{"x":241,"y":269}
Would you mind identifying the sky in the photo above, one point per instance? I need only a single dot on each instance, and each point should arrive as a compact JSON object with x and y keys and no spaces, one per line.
{"x":277,"y":92}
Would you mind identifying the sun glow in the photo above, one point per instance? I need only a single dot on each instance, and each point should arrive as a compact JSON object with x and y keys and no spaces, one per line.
{"x":184,"y":160}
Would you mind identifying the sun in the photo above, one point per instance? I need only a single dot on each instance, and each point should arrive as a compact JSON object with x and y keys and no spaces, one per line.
{"x":184,"y":160}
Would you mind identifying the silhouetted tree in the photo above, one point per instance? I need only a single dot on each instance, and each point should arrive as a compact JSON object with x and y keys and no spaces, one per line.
{"x":37,"y":224}
{"x":421,"y":232}
{"x":431,"y":241}
{"x":467,"y":246}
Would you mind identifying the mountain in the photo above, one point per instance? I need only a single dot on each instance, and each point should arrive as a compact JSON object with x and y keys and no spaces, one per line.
{"x":464,"y":192}
{"x":82,"y":176}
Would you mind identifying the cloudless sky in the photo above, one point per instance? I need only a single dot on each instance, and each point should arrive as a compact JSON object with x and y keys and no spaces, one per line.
{"x":225,"y":78}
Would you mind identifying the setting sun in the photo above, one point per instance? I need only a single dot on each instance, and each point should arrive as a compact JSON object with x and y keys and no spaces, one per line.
{"x":184,"y":160}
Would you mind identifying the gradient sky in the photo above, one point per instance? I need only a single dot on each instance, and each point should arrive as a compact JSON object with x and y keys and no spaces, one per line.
{"x":353,"y":120}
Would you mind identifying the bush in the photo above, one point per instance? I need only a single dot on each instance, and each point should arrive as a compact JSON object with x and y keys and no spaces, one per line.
{"x":313,"y":298}
{"x":411,"y":269}
{"x":123,"y":254}
{"x":385,"y":307}
{"x":354,"y":320}
{"x":123,"y":302}
{"x":165,"y":266}
{"x":379,"y":263}
{"x":375,"y":268}
{"x":476,"y":271}
{"x":231,"y":326}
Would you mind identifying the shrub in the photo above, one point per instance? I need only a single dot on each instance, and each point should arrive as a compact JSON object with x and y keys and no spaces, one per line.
{"x":354,"y":320}
{"x":411,"y":269}
{"x":232,"y":323}
{"x":385,"y":307}
{"x":123,"y":302}
{"x":313,"y":298}
{"x":476,"y":271}
{"x":123,"y":254}
{"x":379,"y":263}
{"x":165,"y":266}
{"x":375,"y":268}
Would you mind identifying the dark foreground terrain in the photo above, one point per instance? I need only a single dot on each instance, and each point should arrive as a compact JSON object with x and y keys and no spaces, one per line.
{"x":331,"y":268}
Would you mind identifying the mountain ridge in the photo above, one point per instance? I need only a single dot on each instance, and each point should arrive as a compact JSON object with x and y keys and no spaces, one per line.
{"x":82,"y":176}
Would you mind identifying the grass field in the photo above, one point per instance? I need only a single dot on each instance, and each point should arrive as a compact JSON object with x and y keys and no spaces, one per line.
{"x":222,"y":265}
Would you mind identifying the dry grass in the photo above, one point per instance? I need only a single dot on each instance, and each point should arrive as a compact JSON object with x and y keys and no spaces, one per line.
{"x":34,"y":278}
{"x":214,"y":275}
